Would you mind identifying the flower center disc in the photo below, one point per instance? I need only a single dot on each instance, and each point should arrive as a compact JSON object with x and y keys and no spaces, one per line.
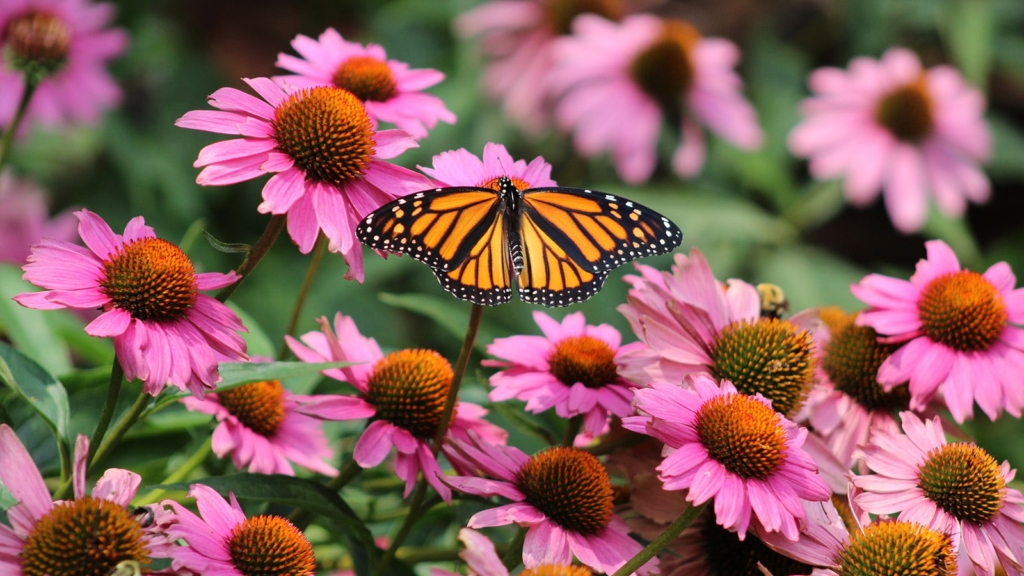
{"x":906,"y":112}
{"x":557,"y":570}
{"x":899,"y":549}
{"x":270,"y":546}
{"x":368,"y":78}
{"x":37,"y":40}
{"x":570,"y":487}
{"x":258,"y":406}
{"x":84,"y":537}
{"x":583,"y":359}
{"x":962,"y":310}
{"x":560,"y":13}
{"x":408,"y":388}
{"x":519,"y":183}
{"x":768,"y":356}
{"x":152,"y":279}
{"x":726,"y":554}
{"x":965,"y":481}
{"x":664,"y":70}
{"x":742,"y":434}
{"x":327,"y":132}
{"x":852,"y":359}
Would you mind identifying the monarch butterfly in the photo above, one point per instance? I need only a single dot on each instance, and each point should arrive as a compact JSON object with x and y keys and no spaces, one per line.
{"x":559,"y":242}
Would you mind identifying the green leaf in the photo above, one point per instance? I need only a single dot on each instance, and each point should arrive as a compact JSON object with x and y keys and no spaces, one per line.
{"x":810,"y":277}
{"x":44,"y":393}
{"x":969,"y":28}
{"x":237,"y":373}
{"x":227,"y":247}
{"x":448,"y":312}
{"x":257,"y":342}
{"x":519,"y":420}
{"x":29,"y":329}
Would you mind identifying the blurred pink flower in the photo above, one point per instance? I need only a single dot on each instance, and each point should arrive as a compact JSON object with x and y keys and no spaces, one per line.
{"x":24,"y":219}
{"x":957,"y":330}
{"x":164,"y":330}
{"x":390,"y":91}
{"x":571,"y":368}
{"x":462,"y":168}
{"x":621,"y":82}
{"x":733,"y":448}
{"x":403,"y":393}
{"x":325,"y":179}
{"x":956,"y":489}
{"x":80,"y":88}
{"x":890,"y":125}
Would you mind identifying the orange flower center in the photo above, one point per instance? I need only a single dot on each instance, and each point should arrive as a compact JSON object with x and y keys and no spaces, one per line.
{"x":583,"y":359}
{"x":742,"y":434}
{"x":84,"y":537}
{"x":560,"y":13}
{"x":852,"y":358}
{"x":962,"y":310}
{"x":327,"y":132}
{"x":408,"y":388}
{"x":664,"y":70}
{"x":519,"y":183}
{"x":907,"y":112}
{"x":151,"y":279}
{"x":571,"y":487}
{"x":898,"y":548}
{"x":965,"y":481}
{"x":37,"y":42}
{"x":557,"y":570}
{"x":258,"y":406}
{"x":270,"y":545}
{"x":368,"y":78}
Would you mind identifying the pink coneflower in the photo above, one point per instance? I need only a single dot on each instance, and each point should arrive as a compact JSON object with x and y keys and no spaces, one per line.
{"x":956,"y":489}
{"x":226,"y":543}
{"x":482,"y":559}
{"x":403,"y":393}
{"x":518,"y":36}
{"x":24,"y":219}
{"x":67,"y":43}
{"x":957,"y":331}
{"x":87,"y":535}
{"x":462,"y":168}
{"x":692,"y":323}
{"x":563,"y":495}
{"x":889,"y":125}
{"x":733,"y":448}
{"x":621,"y":82}
{"x":325,"y":155}
{"x":390,"y":91}
{"x":262,"y":430}
{"x":571,"y":368}
{"x":164,"y":330}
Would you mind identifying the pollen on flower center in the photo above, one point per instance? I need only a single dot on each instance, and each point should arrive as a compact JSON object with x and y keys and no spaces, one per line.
{"x":560,"y":13}
{"x":37,"y":40}
{"x":270,"y":545}
{"x":367,"y":77}
{"x":583,"y":359}
{"x":519,"y":183}
{"x":852,"y":358}
{"x":570,"y":486}
{"x":767,"y":356}
{"x":742,"y":434}
{"x":84,"y":537}
{"x":962,"y":310}
{"x":907,"y":111}
{"x":897,"y":547}
{"x":258,"y":406}
{"x":664,"y":70}
{"x":963,"y":480}
{"x":408,"y":388}
{"x":151,"y":279}
{"x":327,"y":132}
{"x":725,"y":553}
{"x":557,"y":570}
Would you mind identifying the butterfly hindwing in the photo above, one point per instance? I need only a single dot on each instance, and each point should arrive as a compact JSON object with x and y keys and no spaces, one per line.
{"x":483,"y":276}
{"x":552,"y":275}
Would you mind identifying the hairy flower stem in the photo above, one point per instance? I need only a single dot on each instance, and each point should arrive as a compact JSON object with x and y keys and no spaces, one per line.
{"x":8,"y":138}
{"x":263,"y":245}
{"x":300,"y":299}
{"x":119,"y":430}
{"x":663,"y":540}
{"x":180,"y":473}
{"x":513,"y":557}
{"x":572,"y":430}
{"x":113,"y":392}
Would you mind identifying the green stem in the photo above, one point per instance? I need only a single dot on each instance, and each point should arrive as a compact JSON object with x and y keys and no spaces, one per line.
{"x":417,"y":554}
{"x":263,"y":245}
{"x":410,"y":520}
{"x":122,"y":426}
{"x":113,"y":392}
{"x":663,"y":540}
{"x":180,"y":473}
{"x":307,"y":283}
{"x":575,"y":423}
{"x":8,"y":138}
{"x":514,"y":555}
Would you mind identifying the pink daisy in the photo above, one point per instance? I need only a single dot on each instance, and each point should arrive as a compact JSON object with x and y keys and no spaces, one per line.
{"x":258,"y":424}
{"x":957,"y":489}
{"x":733,"y":448}
{"x":390,"y":91}
{"x":76,"y":45}
{"x":24,"y":219}
{"x":571,"y":368}
{"x":64,"y":537}
{"x":223,"y":542}
{"x":482,"y":559}
{"x":890,"y":125}
{"x":326,"y":157}
{"x":564,"y":497}
{"x":621,"y":82}
{"x":518,"y":37}
{"x":403,"y":393}
{"x":462,"y":168}
{"x":958,"y":333}
{"x":164,"y":330}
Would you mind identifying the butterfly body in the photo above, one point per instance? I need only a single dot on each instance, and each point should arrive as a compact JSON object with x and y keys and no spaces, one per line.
{"x":559,"y":243}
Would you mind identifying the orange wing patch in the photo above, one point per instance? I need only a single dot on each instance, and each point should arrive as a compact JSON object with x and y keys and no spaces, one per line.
{"x":483,"y":277}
